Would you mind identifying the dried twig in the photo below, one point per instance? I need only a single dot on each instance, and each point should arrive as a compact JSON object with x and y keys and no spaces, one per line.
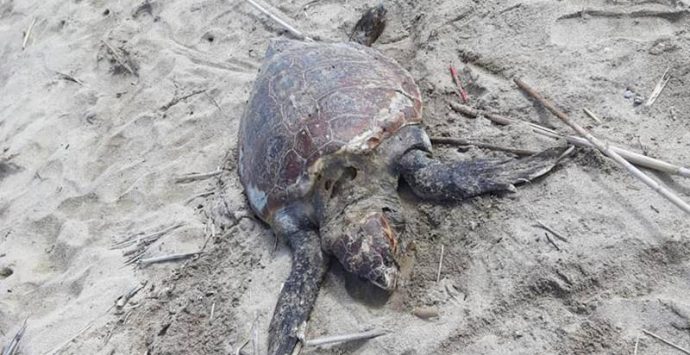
{"x":176,"y":100}
{"x":440,"y":264}
{"x":337,"y":339}
{"x":119,"y":59}
{"x":138,"y":244}
{"x":239,"y":350}
{"x":28,"y":33}
{"x":13,"y":346}
{"x":665,"y":341}
{"x":213,"y":311}
{"x":462,"y":142}
{"x":57,"y":349}
{"x":549,"y":229}
{"x":145,"y":240}
{"x":474,"y":113}
{"x":552,"y":241}
{"x":167,"y":258}
{"x":658,"y":88}
{"x":255,"y":334}
{"x":200,"y":195}
{"x":68,"y":77}
{"x":604,"y":148}
{"x":464,"y":109}
{"x":214,"y":102}
{"x":282,"y":23}
{"x":637,"y":342}
{"x":121,"y":301}
{"x":196,"y":177}
{"x":635,"y":158}
{"x":498,"y":119}
{"x":592,"y":115}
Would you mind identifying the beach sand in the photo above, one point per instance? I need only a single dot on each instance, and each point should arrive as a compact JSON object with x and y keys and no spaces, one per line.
{"x":111,"y":104}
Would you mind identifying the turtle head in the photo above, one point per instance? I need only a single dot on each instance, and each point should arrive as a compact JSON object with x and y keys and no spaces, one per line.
{"x":366,"y":244}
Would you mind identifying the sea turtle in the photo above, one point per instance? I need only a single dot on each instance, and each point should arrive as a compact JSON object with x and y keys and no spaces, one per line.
{"x":328,"y":132}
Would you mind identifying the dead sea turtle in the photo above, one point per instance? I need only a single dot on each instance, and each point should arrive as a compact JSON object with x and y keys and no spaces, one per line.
{"x":327,"y":134}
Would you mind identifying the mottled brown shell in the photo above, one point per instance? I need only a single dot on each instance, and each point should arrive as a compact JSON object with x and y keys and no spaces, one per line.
{"x":311,"y":100}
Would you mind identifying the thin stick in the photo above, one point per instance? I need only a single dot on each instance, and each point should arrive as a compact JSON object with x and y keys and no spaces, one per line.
{"x":470,"y":112}
{"x":119,"y":58}
{"x":275,"y":18}
{"x":462,"y":142}
{"x":166,"y":258}
{"x":13,"y":346}
{"x":591,"y":115}
{"x":28,"y":33}
{"x":440,"y":264}
{"x":605,"y":149}
{"x":337,"y":339}
{"x":552,"y":241}
{"x":255,"y":334}
{"x":637,"y":342}
{"x":498,"y":119}
{"x":239,"y":350}
{"x":635,"y":158}
{"x":658,"y":88}
{"x":82,"y":331}
{"x":121,"y":301}
{"x":145,"y":240}
{"x":665,"y":341}
{"x":176,"y":100}
{"x":213,"y":310}
{"x":68,"y":77}
{"x":200,"y":195}
{"x":196,"y":177}
{"x":549,"y":229}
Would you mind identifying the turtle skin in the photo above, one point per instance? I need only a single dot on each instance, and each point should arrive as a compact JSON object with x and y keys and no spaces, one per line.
{"x":311,"y":100}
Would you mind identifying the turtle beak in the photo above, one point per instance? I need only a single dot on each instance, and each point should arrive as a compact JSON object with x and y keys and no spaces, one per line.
{"x":388,"y":279}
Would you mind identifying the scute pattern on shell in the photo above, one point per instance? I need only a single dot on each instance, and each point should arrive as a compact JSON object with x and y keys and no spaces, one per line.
{"x":312,"y":99}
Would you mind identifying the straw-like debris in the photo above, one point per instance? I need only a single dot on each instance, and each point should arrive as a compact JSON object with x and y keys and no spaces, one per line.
{"x":604,"y":148}
{"x":13,"y":346}
{"x":138,"y":243}
{"x":339,"y":339}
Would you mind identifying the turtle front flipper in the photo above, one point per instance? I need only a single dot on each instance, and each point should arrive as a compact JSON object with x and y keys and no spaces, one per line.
{"x":452,"y":181}
{"x":299,"y":291}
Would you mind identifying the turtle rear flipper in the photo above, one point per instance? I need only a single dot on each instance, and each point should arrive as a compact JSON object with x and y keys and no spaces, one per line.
{"x":370,"y":26}
{"x":451,"y":181}
{"x":297,"y":297}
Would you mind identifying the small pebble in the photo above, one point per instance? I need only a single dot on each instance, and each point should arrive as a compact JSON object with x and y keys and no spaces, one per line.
{"x":5,"y":272}
{"x":426,"y":312}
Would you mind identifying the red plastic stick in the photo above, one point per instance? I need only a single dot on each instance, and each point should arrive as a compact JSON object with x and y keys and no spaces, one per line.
{"x":462,"y":93}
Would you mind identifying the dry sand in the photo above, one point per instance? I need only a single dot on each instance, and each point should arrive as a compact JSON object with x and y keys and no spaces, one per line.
{"x":87,"y":163}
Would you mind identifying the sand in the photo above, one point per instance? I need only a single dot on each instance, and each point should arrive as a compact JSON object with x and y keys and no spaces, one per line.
{"x":92,"y":146}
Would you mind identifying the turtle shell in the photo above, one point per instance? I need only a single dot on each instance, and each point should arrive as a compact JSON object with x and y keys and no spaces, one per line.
{"x":311,"y":100}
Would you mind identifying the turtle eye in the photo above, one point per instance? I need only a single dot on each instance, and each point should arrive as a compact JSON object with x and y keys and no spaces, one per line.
{"x":349,"y":174}
{"x":394,"y":217}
